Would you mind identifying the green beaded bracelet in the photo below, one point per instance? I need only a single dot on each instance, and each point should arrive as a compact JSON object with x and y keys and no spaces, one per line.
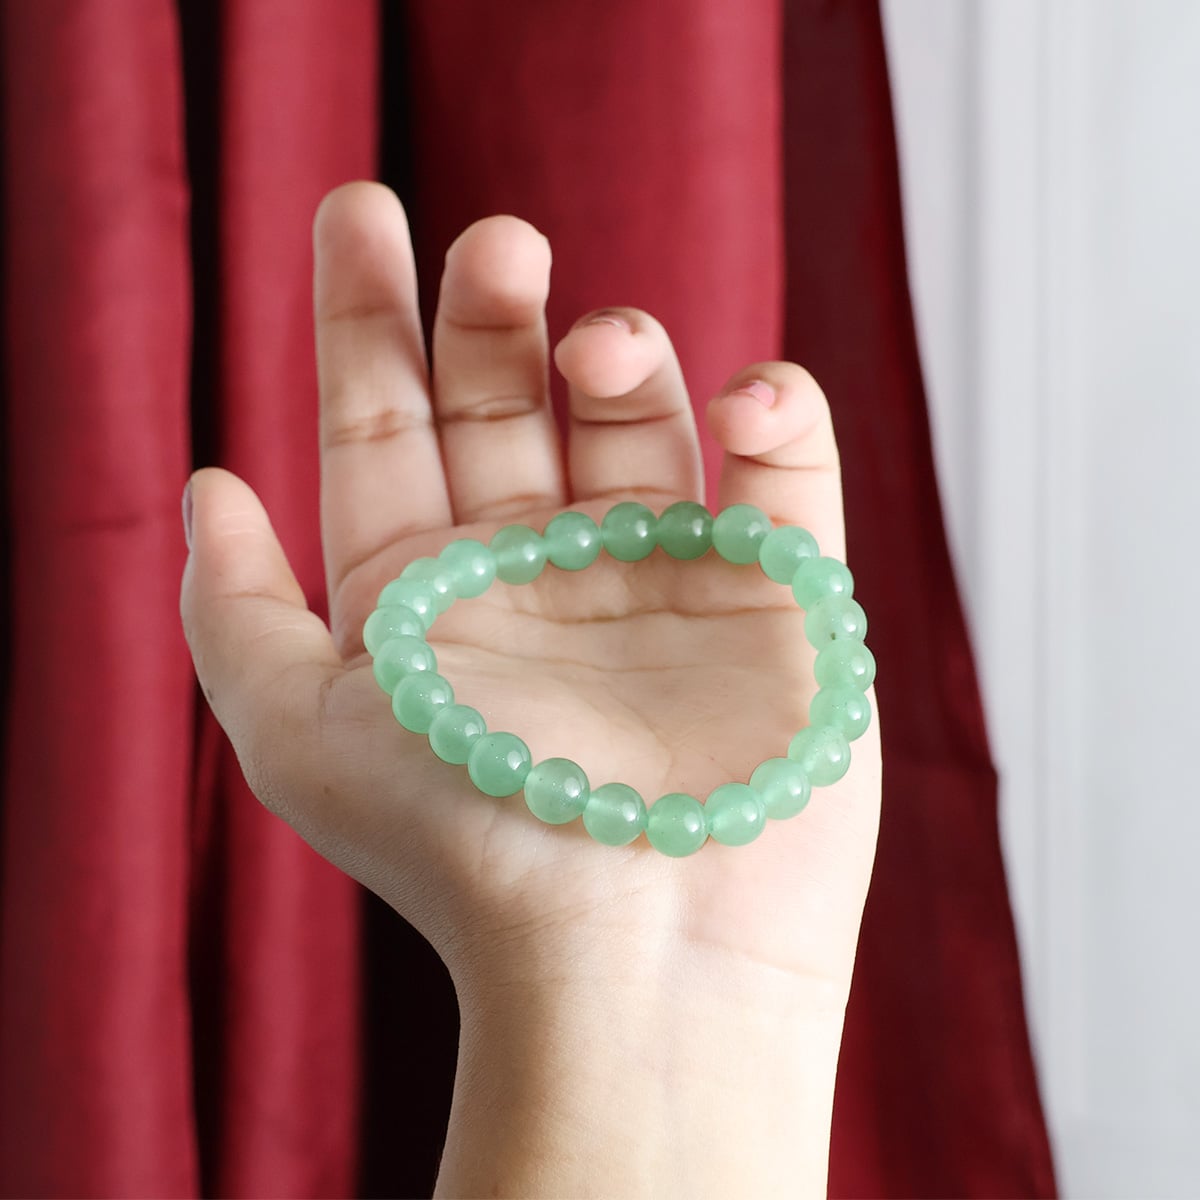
{"x":556,"y":790}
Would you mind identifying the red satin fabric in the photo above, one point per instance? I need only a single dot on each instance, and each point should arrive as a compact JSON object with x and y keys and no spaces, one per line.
{"x":95,"y":1055}
{"x":280,"y":1030}
{"x":190,"y":1002}
{"x":645,"y":142}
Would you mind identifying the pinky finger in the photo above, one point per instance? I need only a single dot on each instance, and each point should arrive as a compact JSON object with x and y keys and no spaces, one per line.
{"x":780,"y":453}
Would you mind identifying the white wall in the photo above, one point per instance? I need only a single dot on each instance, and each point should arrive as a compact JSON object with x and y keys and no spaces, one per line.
{"x":1051,"y":161}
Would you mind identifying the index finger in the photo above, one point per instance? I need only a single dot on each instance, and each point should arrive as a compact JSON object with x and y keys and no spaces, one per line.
{"x":381,"y":468}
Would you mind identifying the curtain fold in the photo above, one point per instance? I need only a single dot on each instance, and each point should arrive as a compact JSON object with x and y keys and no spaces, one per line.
{"x":644,"y":141}
{"x":281,"y":1029}
{"x":95,"y":1059}
{"x":190,"y":1001}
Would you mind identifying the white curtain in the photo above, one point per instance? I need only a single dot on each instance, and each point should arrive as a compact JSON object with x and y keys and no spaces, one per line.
{"x":1050,"y":151}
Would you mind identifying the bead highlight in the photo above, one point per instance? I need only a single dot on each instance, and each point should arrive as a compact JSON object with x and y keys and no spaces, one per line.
{"x":735,"y":814}
{"x":556,"y":791}
{"x":615,"y":814}
{"x":739,"y":531}
{"x":471,"y":565}
{"x":629,"y":531}
{"x":417,"y":699}
{"x":402,"y":655}
{"x":685,"y":530}
{"x":499,"y":763}
{"x":572,"y":541}
{"x":676,"y":826}
{"x":520,"y":554}
{"x":454,"y":730}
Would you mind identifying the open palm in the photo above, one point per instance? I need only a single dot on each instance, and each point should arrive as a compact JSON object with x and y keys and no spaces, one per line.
{"x":666,"y":675}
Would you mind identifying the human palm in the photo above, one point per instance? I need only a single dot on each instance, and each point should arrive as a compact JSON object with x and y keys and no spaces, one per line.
{"x":667,"y":675}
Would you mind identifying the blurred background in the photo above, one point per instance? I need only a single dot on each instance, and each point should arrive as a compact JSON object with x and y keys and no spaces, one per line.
{"x":191,"y":1002}
{"x":1051,"y":181}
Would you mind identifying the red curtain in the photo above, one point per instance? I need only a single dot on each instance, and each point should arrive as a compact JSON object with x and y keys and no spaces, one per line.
{"x":190,"y":1001}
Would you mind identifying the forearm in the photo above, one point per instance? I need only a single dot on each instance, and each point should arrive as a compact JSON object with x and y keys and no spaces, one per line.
{"x":679,"y":1081}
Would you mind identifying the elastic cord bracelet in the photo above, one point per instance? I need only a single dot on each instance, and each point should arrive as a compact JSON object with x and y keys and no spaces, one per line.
{"x":556,"y":790}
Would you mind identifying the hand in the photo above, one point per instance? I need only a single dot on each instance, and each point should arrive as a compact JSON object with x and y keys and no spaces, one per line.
{"x":665,"y":675}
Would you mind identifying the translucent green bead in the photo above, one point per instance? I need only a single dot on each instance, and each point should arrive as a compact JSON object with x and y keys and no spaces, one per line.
{"x":434,"y":575}
{"x":735,"y":814}
{"x":738,"y":531}
{"x":472,"y":566}
{"x":816,"y":579}
{"x":454,"y":730}
{"x":417,"y":699}
{"x":845,"y":708}
{"x":833,"y":618}
{"x":845,"y":663}
{"x":823,"y":752}
{"x":400,"y":656}
{"x":414,"y":595}
{"x":556,"y":791}
{"x":499,"y":763}
{"x":572,"y":541}
{"x":783,"y":550}
{"x":615,"y":814}
{"x":628,"y":531}
{"x":675,"y":825}
{"x":685,"y":530}
{"x":520,"y":553}
{"x":783,"y":786}
{"x":389,"y":622}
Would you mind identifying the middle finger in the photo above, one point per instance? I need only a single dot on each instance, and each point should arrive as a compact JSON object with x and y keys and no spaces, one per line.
{"x":491,"y":392}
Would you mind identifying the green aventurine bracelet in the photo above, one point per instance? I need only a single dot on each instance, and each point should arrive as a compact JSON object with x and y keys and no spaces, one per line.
{"x":557,"y":790}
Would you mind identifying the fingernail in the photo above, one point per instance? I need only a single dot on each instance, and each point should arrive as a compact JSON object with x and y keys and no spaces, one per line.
{"x":609,"y":318}
{"x":762,"y":392}
{"x":187,"y":514}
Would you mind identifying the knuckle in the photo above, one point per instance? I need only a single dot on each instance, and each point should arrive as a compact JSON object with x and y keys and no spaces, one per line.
{"x":488,"y":410}
{"x":381,"y":425}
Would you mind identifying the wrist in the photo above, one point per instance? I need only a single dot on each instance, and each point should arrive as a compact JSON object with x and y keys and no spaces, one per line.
{"x":686,"y":1073}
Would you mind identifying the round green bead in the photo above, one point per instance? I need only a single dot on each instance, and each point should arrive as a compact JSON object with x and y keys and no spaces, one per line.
{"x":399,"y":656}
{"x":572,"y":541}
{"x":434,"y":575}
{"x":834,"y":618}
{"x":520,"y":554}
{"x":783,"y":550}
{"x":845,"y":663}
{"x":685,"y":530}
{"x":783,"y":786}
{"x":472,"y":566}
{"x":675,"y":825}
{"x":615,"y":814}
{"x":414,"y":595}
{"x":628,"y":531}
{"x":556,"y":791}
{"x":417,"y":699}
{"x":499,"y":763}
{"x":454,"y":730}
{"x":735,"y":814}
{"x":389,"y":622}
{"x":816,"y":579}
{"x":846,"y":708}
{"x":738,"y":531}
{"x":823,"y":752}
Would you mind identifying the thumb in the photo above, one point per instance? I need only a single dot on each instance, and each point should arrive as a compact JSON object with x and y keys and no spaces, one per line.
{"x":262,"y":658}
